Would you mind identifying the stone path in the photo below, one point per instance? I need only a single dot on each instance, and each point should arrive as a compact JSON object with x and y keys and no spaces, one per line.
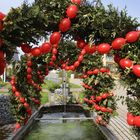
{"x":118,"y":125}
{"x":120,"y":128}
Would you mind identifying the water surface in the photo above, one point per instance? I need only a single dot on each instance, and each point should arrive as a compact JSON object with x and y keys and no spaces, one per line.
{"x":64,"y":130}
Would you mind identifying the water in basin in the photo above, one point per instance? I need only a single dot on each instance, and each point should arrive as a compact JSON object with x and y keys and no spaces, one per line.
{"x":64,"y":130}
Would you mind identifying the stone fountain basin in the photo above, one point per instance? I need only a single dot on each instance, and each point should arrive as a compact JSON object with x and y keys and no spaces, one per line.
{"x":23,"y":131}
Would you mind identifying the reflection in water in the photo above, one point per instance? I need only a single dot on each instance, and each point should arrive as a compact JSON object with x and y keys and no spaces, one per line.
{"x":70,"y":130}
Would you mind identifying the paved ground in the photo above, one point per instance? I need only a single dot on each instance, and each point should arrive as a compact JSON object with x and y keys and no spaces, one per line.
{"x":118,"y":124}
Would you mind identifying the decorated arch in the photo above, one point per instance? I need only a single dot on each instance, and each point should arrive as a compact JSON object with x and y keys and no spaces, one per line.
{"x":77,"y":34}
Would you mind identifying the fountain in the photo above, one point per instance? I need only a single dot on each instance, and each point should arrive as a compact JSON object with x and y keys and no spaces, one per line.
{"x":63,"y":121}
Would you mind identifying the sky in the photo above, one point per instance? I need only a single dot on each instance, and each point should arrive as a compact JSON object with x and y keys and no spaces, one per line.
{"x":133,"y":6}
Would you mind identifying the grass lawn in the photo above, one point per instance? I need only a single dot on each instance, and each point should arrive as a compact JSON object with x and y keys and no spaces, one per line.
{"x":5,"y":85}
{"x":74,"y":86}
{"x":44,"y":98}
{"x":4,"y":92}
{"x":50,"y":84}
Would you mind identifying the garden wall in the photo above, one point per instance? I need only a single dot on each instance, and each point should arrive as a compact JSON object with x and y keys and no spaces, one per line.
{"x":6,"y":116}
